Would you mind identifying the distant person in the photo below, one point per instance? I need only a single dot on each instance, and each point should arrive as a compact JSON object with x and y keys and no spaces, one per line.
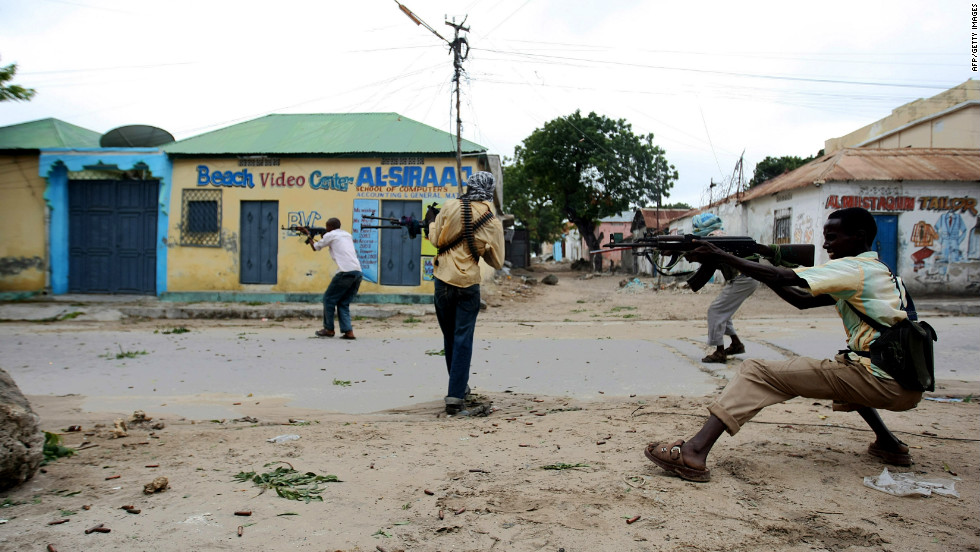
{"x":345,"y":283}
{"x":853,"y":280}
{"x":737,"y":288}
{"x":464,"y":231}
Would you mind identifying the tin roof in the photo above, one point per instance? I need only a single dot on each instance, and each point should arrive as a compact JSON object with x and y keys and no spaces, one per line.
{"x":888,"y":165}
{"x":666,"y":215}
{"x":47,"y":133}
{"x":324,"y":133}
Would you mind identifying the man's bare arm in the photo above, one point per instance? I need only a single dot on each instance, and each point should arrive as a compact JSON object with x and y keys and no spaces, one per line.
{"x":783,"y":281}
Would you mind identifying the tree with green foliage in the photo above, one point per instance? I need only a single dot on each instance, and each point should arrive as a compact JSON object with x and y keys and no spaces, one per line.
{"x":771,"y":167}
{"x":13,"y":91}
{"x":582,"y":169}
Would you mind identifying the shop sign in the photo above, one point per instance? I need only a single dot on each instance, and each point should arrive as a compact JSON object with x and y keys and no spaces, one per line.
{"x":903,"y":203}
{"x":415,"y":181}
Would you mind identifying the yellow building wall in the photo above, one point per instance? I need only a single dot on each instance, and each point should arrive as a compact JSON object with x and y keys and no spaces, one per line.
{"x":959,"y":120}
{"x":308,"y":192}
{"x":23,"y":253}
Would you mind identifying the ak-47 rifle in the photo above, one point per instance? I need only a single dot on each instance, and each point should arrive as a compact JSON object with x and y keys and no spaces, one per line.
{"x":653,"y":247}
{"x":415,"y":227}
{"x":311,"y":232}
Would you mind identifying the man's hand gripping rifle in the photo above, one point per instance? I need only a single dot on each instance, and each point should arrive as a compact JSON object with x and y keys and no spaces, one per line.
{"x":415,"y":227}
{"x":311,"y":232}
{"x":674,"y":246}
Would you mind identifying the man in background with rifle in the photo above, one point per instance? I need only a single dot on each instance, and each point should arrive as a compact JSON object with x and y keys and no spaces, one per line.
{"x":464,"y":231}
{"x":857,"y":283}
{"x":345,"y":283}
{"x":737,"y":288}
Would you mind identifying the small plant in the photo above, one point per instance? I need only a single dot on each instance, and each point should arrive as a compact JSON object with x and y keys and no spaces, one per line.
{"x":575,"y":311}
{"x":177,"y":330}
{"x":53,"y":448}
{"x":436,"y":352}
{"x":631,"y":315}
{"x":618,"y":309}
{"x":411,"y":320}
{"x":289,"y":483}
{"x":341,"y":383}
{"x":124,"y":354}
{"x":254,"y":303}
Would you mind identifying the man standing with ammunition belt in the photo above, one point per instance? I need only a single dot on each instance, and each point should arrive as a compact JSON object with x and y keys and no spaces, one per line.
{"x":464,"y":231}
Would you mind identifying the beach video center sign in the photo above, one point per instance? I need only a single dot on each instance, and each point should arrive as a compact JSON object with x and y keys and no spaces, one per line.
{"x":369,"y":179}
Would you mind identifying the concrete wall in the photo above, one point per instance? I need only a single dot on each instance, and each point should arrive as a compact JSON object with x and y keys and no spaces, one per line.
{"x":23,"y":249}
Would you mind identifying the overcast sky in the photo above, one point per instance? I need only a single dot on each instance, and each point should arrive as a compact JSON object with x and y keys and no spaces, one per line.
{"x":709,"y":79}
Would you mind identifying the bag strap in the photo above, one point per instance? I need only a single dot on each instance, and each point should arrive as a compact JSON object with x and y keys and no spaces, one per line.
{"x":908,"y":306}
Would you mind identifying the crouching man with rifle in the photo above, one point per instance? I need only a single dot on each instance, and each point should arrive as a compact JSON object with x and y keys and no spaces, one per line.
{"x":861,"y":288}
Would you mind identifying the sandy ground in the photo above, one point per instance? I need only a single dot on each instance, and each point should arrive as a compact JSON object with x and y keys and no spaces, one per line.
{"x":412,"y":479}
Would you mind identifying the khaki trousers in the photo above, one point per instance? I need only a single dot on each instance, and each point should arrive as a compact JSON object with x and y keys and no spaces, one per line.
{"x":760,"y":383}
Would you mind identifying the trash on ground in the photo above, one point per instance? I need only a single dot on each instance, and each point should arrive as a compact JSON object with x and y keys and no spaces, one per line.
{"x":283,"y":438}
{"x":943,"y":399}
{"x":908,"y":484}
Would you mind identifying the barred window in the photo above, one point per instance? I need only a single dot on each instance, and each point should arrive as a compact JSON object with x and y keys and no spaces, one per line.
{"x":201,"y":218}
{"x":782,"y":227}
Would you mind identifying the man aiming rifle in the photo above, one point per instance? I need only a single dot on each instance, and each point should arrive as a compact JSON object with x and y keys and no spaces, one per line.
{"x":859,"y":286}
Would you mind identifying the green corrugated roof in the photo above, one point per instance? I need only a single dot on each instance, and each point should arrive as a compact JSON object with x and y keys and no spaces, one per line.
{"x":47,"y":133}
{"x":324,"y":133}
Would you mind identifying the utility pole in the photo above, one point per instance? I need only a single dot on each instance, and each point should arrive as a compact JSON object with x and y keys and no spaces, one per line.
{"x":457,"y":47}
{"x":458,"y":58}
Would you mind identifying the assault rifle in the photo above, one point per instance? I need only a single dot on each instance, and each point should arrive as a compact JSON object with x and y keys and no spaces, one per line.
{"x":309,"y":231}
{"x":415,"y":227}
{"x":653,"y":247}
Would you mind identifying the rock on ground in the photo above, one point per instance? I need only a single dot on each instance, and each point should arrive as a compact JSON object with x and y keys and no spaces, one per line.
{"x":21,"y":438}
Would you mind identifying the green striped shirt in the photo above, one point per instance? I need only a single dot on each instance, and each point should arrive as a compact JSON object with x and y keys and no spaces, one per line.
{"x":867,"y":285}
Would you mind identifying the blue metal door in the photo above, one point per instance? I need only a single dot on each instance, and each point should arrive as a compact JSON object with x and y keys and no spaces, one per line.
{"x":400,"y":255}
{"x":112,"y":236}
{"x":260,"y":250}
{"x":886,"y":242}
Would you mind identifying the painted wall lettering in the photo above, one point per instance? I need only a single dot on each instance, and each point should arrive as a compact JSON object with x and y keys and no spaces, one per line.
{"x":281,"y":180}
{"x":238,"y":179}
{"x":330,"y":182}
{"x":903,"y":203}
{"x":300,"y":218}
{"x":409,"y":176}
{"x":880,"y":203}
{"x":961,"y":204}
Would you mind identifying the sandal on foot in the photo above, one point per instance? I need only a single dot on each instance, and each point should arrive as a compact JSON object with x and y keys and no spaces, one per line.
{"x":669,"y":458}
{"x":324,"y":333}
{"x":895,"y":458}
{"x":733,"y":350}
{"x":715,"y":357}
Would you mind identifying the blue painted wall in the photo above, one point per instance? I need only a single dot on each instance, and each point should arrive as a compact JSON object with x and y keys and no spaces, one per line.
{"x":55,"y":163}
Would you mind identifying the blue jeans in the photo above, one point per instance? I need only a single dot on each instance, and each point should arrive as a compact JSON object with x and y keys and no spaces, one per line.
{"x":343,"y":287}
{"x":456,"y":309}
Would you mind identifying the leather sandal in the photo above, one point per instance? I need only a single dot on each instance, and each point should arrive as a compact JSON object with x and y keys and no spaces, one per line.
{"x":324,"y":333}
{"x":669,"y":458}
